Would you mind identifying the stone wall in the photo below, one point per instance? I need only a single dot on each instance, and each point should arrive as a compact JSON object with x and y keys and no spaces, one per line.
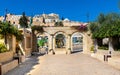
{"x":116,"y":54}
{"x":100,"y":54}
{"x":113,"y":61}
{"x":8,"y":66}
{"x":89,"y":42}
{"x":28,"y":52}
{"x":6,"y":56}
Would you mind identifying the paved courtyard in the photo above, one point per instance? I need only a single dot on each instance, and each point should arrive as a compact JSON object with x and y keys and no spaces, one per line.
{"x":73,"y":64}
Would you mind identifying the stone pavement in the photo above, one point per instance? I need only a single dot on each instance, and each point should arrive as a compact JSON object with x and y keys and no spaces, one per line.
{"x":25,"y":67}
{"x":73,"y":64}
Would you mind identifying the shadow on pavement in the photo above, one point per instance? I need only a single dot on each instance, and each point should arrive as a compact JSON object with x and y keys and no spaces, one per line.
{"x":76,"y":51}
{"x":26,"y":67}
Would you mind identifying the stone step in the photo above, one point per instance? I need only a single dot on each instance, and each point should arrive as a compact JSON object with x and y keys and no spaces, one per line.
{"x":60,"y":52}
{"x":57,"y":52}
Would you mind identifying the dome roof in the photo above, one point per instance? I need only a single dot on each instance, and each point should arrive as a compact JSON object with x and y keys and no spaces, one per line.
{"x":66,"y":19}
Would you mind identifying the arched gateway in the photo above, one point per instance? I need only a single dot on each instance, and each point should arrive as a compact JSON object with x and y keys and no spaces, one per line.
{"x":64,"y":39}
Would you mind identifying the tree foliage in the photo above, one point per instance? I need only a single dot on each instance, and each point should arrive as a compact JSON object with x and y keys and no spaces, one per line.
{"x":6,"y":29}
{"x":23,"y":21}
{"x":59,"y":24}
{"x":39,"y":29}
{"x":106,"y":26}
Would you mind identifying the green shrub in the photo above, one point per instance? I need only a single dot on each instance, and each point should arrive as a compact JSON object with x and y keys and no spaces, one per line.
{"x":103,"y":48}
{"x":3,"y":48}
{"x":92,"y":48}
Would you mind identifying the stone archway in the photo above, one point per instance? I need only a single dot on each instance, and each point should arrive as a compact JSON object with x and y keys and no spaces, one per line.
{"x":46,"y":36}
{"x":83,"y":43}
{"x":67,"y":32}
{"x":77,"y":42}
{"x":60,"y":42}
{"x":37,"y":37}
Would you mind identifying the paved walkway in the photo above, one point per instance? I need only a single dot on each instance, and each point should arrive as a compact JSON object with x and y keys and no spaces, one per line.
{"x":73,"y":64}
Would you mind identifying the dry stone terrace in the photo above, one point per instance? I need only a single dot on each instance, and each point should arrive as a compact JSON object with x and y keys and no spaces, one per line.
{"x":73,"y":64}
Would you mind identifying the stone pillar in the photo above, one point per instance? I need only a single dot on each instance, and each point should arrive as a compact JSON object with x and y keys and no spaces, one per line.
{"x":50,"y":42}
{"x":85,"y":44}
{"x":69,"y":44}
{"x":66,"y":44}
{"x":53,"y":43}
{"x":49,"y":46}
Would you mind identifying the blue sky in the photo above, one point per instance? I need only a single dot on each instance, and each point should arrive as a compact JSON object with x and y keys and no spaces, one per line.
{"x":73,"y":9}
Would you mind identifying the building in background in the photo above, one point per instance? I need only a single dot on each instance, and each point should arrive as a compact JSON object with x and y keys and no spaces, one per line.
{"x":41,"y":20}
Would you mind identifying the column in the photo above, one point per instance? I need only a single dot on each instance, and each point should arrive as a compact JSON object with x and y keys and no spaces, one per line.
{"x":53,"y":43}
{"x":66,"y":44}
{"x":50,"y":42}
{"x":69,"y":44}
{"x":85,"y":44}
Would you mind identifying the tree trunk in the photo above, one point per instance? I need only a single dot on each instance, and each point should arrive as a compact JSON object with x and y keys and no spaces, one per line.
{"x":115,"y":42}
{"x":99,"y":41}
{"x":34,"y":42}
{"x":5,"y":39}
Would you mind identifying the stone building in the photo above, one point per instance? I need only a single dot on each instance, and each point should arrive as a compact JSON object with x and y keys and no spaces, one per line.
{"x":29,"y":44}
